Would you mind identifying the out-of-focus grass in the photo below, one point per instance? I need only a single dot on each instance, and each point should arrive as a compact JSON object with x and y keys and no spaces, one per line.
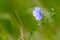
{"x":17,"y":21}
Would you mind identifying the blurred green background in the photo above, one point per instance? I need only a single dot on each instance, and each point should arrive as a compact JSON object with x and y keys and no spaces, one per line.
{"x":18,"y":23}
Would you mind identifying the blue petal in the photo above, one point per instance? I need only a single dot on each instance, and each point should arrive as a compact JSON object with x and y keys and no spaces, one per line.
{"x":35,"y":13}
{"x":37,"y":9}
{"x":39,"y":17}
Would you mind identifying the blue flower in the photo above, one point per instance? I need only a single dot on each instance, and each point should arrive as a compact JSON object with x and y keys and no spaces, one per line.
{"x":37,"y":13}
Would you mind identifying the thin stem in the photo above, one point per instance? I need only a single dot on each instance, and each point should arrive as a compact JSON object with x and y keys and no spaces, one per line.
{"x":21,"y":26}
{"x":21,"y":30}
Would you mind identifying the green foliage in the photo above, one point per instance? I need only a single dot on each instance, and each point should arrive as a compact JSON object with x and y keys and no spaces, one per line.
{"x":17,"y":21}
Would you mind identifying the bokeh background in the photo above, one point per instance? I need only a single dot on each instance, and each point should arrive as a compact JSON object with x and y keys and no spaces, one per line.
{"x":18,"y":23}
